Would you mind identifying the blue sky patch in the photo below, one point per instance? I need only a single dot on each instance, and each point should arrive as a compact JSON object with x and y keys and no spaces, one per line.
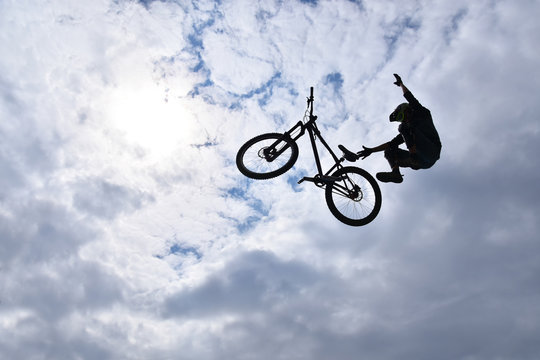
{"x":335,"y":79}
{"x":178,"y":249}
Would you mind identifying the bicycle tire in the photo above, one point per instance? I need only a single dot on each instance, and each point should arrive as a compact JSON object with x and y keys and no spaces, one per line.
{"x":252,"y":164}
{"x":356,"y":198}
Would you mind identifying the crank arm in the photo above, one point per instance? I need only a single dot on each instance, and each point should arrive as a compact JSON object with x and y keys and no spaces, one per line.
{"x":325,"y":179}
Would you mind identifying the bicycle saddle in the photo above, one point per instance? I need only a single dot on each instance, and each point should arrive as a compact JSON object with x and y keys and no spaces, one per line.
{"x":349,"y":155}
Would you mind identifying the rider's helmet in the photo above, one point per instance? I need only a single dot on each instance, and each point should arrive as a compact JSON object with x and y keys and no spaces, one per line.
{"x":399,"y":113}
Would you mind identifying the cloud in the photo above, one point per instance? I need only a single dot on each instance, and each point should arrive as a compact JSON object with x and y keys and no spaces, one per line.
{"x":250,"y":283}
{"x":37,"y":231}
{"x":127,"y":231}
{"x":105,"y":200}
{"x":44,"y":283}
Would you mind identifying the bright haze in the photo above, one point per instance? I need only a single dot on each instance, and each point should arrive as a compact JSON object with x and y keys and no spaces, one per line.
{"x":127,"y":232}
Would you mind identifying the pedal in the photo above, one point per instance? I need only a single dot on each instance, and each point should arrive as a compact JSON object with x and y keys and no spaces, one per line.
{"x":349,"y":155}
{"x":325,"y":179}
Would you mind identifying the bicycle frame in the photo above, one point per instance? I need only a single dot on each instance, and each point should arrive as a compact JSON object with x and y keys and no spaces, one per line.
{"x":351,"y":193}
{"x":311,"y":128}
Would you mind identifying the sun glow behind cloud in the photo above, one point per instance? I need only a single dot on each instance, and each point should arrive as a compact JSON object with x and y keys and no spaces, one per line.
{"x":148,"y":120}
{"x":142,"y":107}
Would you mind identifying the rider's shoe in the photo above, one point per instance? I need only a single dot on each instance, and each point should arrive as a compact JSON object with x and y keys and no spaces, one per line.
{"x":393,"y":176}
{"x":349,"y":155}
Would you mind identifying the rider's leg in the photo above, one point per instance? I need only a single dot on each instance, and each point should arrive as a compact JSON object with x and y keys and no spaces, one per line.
{"x":402,"y":158}
{"x":396,"y":158}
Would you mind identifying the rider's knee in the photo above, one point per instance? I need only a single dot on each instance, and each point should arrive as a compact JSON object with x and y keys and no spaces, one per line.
{"x":390,"y":153}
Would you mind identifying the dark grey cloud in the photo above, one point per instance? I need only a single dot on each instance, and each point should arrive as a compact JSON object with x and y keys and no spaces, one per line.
{"x":43,"y":278}
{"x":252,"y":282}
{"x":11,"y":176}
{"x":51,"y":342}
{"x":38,"y":231}
{"x":104,"y":199}
{"x":52,"y":294}
{"x":24,"y":152}
{"x":453,"y":299}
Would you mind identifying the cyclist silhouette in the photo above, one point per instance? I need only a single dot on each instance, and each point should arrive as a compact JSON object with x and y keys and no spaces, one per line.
{"x":416,"y":130}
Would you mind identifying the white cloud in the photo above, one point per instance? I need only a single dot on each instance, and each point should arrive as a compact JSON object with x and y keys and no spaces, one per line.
{"x":127,"y":231}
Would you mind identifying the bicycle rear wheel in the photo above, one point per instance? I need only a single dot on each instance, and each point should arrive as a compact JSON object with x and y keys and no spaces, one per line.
{"x":267,"y":156}
{"x":356,"y":198}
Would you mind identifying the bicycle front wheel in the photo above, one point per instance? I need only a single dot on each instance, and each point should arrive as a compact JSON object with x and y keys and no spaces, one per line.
{"x":355,"y":199}
{"x":267,"y":156}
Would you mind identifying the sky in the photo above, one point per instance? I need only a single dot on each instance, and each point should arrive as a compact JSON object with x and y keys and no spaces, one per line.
{"x":127,"y":232}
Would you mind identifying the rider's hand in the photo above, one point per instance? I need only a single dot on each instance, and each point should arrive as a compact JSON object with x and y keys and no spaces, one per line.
{"x":365,"y":153}
{"x":398,"y":81}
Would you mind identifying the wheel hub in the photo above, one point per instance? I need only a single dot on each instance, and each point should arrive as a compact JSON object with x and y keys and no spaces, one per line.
{"x":356,"y":194}
{"x":266,"y":155}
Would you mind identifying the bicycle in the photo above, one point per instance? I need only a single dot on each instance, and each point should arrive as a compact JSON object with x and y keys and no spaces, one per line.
{"x":352,"y":194}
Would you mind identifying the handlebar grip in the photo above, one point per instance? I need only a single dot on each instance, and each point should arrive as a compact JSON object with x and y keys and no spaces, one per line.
{"x":311,"y":92}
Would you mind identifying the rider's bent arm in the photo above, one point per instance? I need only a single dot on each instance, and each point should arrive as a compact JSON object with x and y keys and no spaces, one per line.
{"x":395,"y":142}
{"x":381,"y":147}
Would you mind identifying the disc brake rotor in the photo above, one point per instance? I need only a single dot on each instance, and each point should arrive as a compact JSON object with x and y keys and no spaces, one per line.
{"x":356,"y":194}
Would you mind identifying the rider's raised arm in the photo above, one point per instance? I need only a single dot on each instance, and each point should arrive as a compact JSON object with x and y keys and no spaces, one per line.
{"x":406,"y":92}
{"x":410,"y":97}
{"x":404,"y":88}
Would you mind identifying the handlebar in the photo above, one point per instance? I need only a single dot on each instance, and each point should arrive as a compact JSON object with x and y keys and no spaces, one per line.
{"x":310,"y":101}
{"x":310,"y":98}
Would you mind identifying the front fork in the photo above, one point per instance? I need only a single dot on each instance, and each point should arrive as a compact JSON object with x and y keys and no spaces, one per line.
{"x":273,"y":151}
